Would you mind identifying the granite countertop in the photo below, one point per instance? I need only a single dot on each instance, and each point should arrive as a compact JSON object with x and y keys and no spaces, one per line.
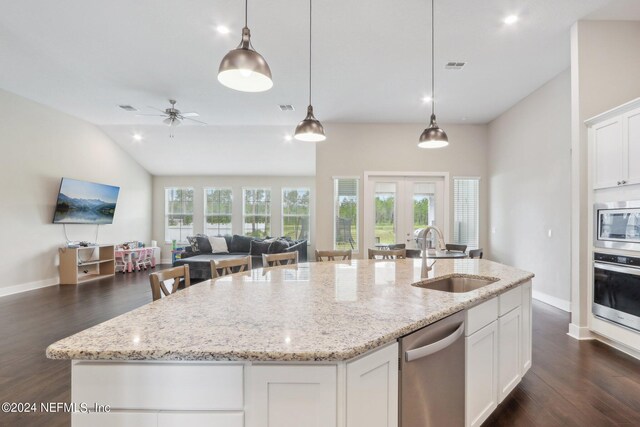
{"x":325,"y":311}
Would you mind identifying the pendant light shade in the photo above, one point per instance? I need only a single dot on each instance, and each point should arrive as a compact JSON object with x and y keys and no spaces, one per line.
{"x":310,"y":129}
{"x":433,"y":136}
{"x":243,"y":68}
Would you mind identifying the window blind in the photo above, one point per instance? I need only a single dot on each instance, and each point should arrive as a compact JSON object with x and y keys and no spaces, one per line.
{"x":466,"y":211}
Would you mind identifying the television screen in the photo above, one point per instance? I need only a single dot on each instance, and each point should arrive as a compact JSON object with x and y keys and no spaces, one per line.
{"x":81,"y":202}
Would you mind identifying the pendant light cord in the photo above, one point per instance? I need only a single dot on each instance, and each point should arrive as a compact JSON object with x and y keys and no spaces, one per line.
{"x":246,"y":7}
{"x":310,"y":23}
{"x":433,"y":94}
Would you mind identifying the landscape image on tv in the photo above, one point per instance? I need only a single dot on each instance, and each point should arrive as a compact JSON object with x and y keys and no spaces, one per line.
{"x":81,"y":202}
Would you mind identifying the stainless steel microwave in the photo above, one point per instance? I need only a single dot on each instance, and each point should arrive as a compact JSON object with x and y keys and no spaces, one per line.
{"x":617,"y":225}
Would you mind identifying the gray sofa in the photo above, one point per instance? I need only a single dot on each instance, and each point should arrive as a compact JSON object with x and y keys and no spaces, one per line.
{"x":198,"y":255}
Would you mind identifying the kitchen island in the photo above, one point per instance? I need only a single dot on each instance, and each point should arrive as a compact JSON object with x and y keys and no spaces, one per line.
{"x":310,"y":345}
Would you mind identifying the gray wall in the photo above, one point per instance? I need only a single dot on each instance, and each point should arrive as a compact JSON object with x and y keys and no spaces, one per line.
{"x":39,"y":146}
{"x":530,"y":188}
{"x":352,"y":149}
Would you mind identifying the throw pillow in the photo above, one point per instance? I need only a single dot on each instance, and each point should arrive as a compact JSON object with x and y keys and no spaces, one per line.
{"x":203,"y":244}
{"x":240,"y":244}
{"x":193,"y":242}
{"x":278,"y":246}
{"x":258,"y":248}
{"x":218,"y":245}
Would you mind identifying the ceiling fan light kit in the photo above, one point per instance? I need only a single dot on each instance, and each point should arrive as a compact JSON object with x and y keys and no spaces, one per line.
{"x":243,"y":68}
{"x":310,"y":129}
{"x":433,"y":136}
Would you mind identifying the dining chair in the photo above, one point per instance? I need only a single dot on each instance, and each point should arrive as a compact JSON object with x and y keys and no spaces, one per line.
{"x":273,"y":260}
{"x":455,"y":248}
{"x":227,"y":266}
{"x":332,"y":255}
{"x":158,"y":278}
{"x":475,"y":253}
{"x":387,"y":253}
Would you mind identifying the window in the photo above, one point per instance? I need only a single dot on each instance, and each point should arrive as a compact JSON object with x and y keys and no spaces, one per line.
{"x":256,"y":212}
{"x":295,"y":213}
{"x":345,"y":200}
{"x":217,"y":211}
{"x":178,"y":214}
{"x":466,"y":211}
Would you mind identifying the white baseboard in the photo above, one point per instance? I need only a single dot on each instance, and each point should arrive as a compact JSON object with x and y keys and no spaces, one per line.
{"x":165,"y":261}
{"x":617,"y":345}
{"x":563,"y":305}
{"x":24,"y":287}
{"x":579,"y":332}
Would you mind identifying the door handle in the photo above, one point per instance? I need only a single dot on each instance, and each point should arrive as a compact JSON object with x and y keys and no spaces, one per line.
{"x":435,"y":347}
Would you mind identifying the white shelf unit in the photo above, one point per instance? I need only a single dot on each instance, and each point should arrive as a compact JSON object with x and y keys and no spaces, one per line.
{"x":84,"y":264}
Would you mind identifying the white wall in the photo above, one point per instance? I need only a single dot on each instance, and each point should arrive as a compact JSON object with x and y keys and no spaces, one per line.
{"x":199,"y":183}
{"x":352,"y":149}
{"x":39,"y":146}
{"x":605,"y":66}
{"x":529,"y":188}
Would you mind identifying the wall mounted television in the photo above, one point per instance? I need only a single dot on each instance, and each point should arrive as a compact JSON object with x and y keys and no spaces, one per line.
{"x":82,"y":202}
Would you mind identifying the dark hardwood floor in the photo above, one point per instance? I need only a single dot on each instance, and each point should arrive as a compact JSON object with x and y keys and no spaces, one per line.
{"x":571,"y":383}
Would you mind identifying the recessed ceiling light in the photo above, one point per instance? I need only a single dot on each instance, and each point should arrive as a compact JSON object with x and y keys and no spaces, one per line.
{"x":426,"y":99}
{"x":288,"y":138}
{"x":137,"y":137}
{"x":511,"y":19}
{"x":222,"y":29}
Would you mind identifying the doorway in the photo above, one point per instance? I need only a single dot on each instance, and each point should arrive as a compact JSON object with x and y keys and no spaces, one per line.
{"x":396,"y":205}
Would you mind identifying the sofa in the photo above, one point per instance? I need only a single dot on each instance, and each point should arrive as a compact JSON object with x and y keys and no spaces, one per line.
{"x":200,"y":251}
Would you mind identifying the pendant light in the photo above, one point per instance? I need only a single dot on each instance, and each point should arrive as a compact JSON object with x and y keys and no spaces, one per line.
{"x":243,"y":68}
{"x":310,"y":129}
{"x":433,"y":136}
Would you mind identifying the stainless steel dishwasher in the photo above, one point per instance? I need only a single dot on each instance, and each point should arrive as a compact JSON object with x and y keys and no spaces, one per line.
{"x":432,"y":375}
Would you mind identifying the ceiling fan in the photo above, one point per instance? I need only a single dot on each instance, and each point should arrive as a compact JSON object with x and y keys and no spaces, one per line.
{"x":173,"y":116}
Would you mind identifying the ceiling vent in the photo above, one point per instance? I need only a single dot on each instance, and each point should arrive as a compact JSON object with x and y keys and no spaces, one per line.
{"x":286,"y":107}
{"x":128,"y":108}
{"x":453,"y":65}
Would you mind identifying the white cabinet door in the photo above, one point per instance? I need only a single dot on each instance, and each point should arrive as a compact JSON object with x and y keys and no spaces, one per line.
{"x":632,"y":143}
{"x":292,"y":396}
{"x":509,"y":349}
{"x":481,"y":387}
{"x":372,"y":389}
{"x":608,"y":153}
{"x":526,"y":328}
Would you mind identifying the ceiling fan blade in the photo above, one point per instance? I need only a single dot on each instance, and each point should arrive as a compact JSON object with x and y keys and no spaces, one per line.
{"x":194,"y":120}
{"x":189,"y":114}
{"x":151,"y":115}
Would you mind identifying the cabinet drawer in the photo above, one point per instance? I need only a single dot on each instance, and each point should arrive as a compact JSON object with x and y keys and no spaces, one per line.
{"x":115,"y":419}
{"x":158,"y":419}
{"x":201,"y":419}
{"x":480,"y":316}
{"x":510,"y":300}
{"x":160,"y":386}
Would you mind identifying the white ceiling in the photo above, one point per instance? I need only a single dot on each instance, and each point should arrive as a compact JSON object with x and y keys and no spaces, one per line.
{"x":85,"y":57}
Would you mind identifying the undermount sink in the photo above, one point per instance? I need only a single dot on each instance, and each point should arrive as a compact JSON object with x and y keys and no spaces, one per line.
{"x":456,"y":284}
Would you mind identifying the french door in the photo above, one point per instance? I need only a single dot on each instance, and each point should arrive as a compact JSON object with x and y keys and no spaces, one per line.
{"x":396,"y":206}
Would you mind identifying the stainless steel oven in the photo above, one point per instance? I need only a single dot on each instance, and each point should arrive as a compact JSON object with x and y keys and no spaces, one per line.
{"x":616,"y":289}
{"x":617,"y":225}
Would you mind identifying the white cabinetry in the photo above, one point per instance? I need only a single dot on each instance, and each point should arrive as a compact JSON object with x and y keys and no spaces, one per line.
{"x":292,"y":396}
{"x":498,"y":351}
{"x":614,"y":137}
{"x":509,"y":348}
{"x":372,"y":389}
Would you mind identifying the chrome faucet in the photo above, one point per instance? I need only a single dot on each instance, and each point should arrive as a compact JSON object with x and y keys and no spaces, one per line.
{"x":422,"y":236}
{"x":422,"y":244}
